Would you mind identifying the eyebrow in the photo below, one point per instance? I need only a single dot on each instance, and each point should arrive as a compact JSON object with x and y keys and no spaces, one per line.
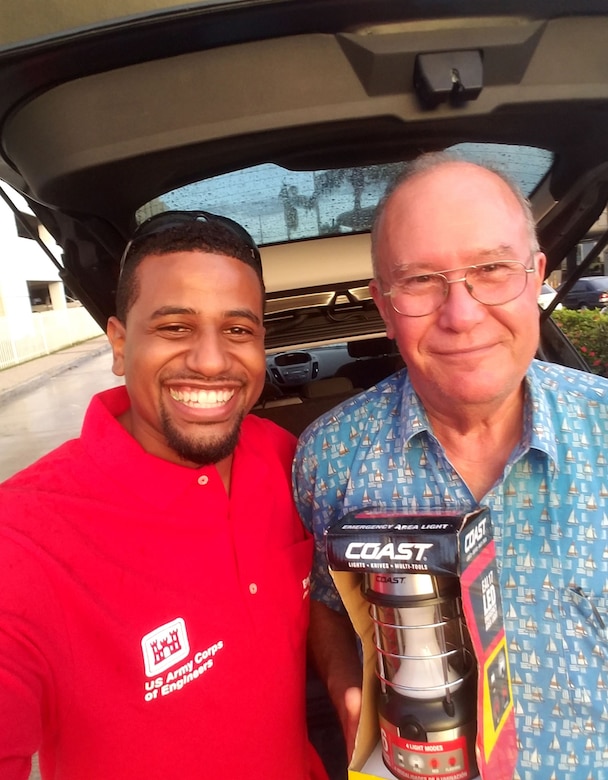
{"x":167,"y":311}
{"x":245,"y":313}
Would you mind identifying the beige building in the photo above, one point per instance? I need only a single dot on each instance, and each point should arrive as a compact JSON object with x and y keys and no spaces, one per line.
{"x":37,"y":315}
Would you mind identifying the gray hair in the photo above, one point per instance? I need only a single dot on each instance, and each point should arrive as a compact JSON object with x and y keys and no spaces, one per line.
{"x":429,"y":162}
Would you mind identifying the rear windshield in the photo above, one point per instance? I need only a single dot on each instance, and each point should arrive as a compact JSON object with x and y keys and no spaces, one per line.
{"x":278,"y":205}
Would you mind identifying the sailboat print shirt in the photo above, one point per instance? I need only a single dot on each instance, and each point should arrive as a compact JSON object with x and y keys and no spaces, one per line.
{"x":549,"y":512}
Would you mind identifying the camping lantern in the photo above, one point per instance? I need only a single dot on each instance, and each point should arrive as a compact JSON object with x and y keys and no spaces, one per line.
{"x":428,"y":676}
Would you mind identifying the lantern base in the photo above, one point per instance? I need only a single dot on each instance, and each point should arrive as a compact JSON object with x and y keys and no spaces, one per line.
{"x":430,"y":739}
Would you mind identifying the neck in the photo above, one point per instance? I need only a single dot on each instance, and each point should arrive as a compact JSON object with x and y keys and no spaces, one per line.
{"x":478,"y":441}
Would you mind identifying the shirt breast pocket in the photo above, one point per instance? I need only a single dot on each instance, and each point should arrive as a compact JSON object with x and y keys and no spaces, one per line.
{"x":588,"y":614}
{"x":584,"y":622}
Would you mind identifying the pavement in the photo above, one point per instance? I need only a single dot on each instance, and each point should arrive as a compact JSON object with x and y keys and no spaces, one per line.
{"x":27,"y":376}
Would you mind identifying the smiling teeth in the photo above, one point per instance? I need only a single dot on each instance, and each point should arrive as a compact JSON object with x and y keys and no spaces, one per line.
{"x":202,"y":399}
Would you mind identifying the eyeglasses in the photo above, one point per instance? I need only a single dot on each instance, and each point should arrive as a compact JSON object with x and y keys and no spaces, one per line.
{"x":492,"y":284}
{"x":166,"y":220}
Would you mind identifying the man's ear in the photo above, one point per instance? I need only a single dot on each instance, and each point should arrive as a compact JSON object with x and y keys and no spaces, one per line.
{"x":383,"y":305}
{"x":540,"y":262}
{"x":116,"y":333}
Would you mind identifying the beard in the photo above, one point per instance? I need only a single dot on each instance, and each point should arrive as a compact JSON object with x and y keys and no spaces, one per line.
{"x":202,"y":451}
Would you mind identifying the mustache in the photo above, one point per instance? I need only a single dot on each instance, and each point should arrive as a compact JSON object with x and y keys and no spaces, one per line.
{"x":196,"y":378}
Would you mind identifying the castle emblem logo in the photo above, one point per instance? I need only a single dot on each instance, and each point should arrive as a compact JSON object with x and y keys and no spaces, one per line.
{"x":165,"y":646}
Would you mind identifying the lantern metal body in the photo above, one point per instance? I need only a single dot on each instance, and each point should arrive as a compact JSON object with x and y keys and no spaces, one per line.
{"x":428,"y":676}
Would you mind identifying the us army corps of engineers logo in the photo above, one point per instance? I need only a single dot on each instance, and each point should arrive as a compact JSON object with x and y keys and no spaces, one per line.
{"x":163,"y":649}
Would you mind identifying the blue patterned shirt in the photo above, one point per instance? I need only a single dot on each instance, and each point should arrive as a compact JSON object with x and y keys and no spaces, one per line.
{"x":550,"y":516}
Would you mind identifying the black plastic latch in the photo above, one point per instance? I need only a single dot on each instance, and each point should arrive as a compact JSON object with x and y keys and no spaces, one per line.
{"x":448,"y":77}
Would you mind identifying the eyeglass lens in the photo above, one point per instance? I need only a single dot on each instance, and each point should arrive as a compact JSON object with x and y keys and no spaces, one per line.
{"x":492,"y":284}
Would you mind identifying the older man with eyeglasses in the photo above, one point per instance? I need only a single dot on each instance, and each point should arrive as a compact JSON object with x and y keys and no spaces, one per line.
{"x":154,"y":573}
{"x":474,"y":419}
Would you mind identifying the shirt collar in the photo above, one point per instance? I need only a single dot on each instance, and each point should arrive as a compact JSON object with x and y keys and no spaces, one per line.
{"x":414,"y":418}
{"x":539,"y":422}
{"x":154,"y":480}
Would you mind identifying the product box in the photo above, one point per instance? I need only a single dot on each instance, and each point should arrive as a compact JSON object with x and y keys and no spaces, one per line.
{"x":444,"y":545}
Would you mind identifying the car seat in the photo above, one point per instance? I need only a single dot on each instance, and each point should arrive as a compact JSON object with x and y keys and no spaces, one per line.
{"x":375,"y":359}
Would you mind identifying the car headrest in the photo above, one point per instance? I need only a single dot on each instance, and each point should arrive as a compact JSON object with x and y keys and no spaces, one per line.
{"x":371,"y":347}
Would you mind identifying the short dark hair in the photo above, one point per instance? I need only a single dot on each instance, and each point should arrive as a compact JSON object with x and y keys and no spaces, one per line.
{"x":207,"y":236}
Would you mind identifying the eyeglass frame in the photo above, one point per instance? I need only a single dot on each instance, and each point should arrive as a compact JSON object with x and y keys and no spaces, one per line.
{"x":172,"y":219}
{"x":447,"y":282}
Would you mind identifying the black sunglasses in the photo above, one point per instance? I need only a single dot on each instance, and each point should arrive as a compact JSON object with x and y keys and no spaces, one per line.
{"x":166,"y":220}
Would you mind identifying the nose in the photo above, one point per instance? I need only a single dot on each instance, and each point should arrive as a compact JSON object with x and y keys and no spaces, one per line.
{"x":207,"y":354}
{"x":460,"y":311}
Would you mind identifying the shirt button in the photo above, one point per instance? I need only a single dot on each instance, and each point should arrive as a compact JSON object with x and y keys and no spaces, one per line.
{"x":253,"y":588}
{"x":203,"y":479}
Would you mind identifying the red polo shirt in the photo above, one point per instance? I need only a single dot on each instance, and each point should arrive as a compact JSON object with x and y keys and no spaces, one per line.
{"x":151,"y":626}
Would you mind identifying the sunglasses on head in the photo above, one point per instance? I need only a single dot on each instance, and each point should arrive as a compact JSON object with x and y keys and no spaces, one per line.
{"x":167,"y":220}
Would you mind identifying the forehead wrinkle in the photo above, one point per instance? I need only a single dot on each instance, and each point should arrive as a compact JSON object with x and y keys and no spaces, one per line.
{"x":502,"y":251}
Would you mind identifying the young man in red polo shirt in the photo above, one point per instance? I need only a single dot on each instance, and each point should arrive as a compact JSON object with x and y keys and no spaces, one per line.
{"x":154,"y":573}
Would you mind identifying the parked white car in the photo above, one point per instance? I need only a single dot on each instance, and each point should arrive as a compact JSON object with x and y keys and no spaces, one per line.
{"x":547,"y":294}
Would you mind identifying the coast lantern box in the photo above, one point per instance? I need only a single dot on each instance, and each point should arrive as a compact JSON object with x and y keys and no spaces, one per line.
{"x":422,"y":593}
